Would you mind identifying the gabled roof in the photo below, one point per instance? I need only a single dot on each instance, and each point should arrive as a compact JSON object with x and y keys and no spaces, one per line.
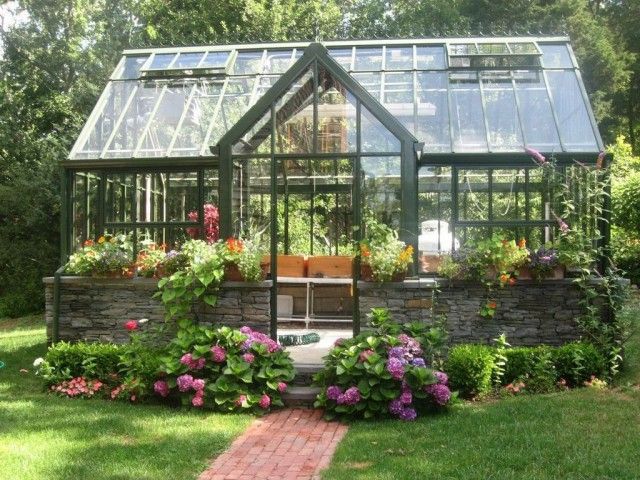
{"x":318,"y":53}
{"x":457,"y":95}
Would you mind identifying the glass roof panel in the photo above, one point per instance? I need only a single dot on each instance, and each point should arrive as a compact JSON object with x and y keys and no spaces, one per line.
{"x":336,"y":116}
{"x":294,"y":117}
{"x":432,"y":125}
{"x":375,"y":137}
{"x":137,"y":116}
{"x":576,"y":132}
{"x":469,"y":134}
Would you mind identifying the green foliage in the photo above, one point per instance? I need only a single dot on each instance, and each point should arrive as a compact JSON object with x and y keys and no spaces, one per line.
{"x":522,"y":361}
{"x":500,"y":359}
{"x":577,"y":362}
{"x":239,"y":368}
{"x":361,"y":380}
{"x":626,"y":202}
{"x":109,"y":255}
{"x":470,"y":368}
{"x":384,"y":252}
{"x":247,"y":255}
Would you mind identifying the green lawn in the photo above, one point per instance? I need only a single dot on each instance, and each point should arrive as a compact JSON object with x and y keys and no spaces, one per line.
{"x":580,"y":434}
{"x":48,"y":437}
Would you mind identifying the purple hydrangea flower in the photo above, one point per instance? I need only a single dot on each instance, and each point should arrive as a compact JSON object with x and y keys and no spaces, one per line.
{"x":350,"y":397}
{"x":365,"y":354}
{"x":265,"y":401}
{"x":395,"y":407}
{"x":396,"y":352}
{"x":198,"y":384}
{"x":440,"y":393}
{"x":441,"y":377}
{"x":406,"y":398}
{"x":186,"y":359}
{"x":395,"y":368}
{"x":418,"y":362}
{"x":246,"y":330}
{"x":185,"y":382}
{"x":257,"y":337}
{"x":248,"y":357}
{"x":161,"y":388}
{"x":198,"y":399}
{"x":282,"y":387}
{"x":333,"y":392}
{"x":218,"y":354}
{"x":408,"y":414}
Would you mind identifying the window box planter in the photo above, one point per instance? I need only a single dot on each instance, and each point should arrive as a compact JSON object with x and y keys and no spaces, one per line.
{"x":232,"y":272}
{"x":330,"y":266}
{"x":366,"y":275}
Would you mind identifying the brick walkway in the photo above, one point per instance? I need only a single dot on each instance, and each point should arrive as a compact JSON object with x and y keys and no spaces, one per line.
{"x":289,"y":444}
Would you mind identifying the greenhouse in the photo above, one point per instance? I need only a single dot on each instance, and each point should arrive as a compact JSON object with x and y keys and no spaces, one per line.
{"x":313,"y":146}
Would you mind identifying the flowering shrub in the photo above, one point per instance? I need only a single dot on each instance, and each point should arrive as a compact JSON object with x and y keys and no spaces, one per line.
{"x":384,"y":252}
{"x":211,"y":223}
{"x":110,"y":255}
{"x":383,"y":373}
{"x":247,"y":255}
{"x":77,"y":387}
{"x":225,"y":369}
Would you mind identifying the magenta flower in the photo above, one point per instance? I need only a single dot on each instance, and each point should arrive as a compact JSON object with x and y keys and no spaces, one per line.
{"x":198,"y":399}
{"x":395,"y":407}
{"x":185,"y":382}
{"x":282,"y":387}
{"x":186,"y":359}
{"x":441,"y":378}
{"x":333,"y":392}
{"x":248,"y":357}
{"x":199,"y":364}
{"x":198,"y":384}
{"x":240,"y":400}
{"x":218,"y":354}
{"x":246,"y":330}
{"x":440,"y":393}
{"x":536,"y":155}
{"x":406,"y":398}
{"x":365,"y":354}
{"x":395,"y":368}
{"x":350,"y":397}
{"x":408,"y":414}
{"x":161,"y":388}
{"x":265,"y":401}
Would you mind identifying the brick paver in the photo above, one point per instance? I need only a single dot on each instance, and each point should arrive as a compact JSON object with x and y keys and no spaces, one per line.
{"x":288,"y":444}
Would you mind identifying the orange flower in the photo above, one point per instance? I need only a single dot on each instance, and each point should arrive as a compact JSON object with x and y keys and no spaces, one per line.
{"x":88,"y":243}
{"x":492,"y":304}
{"x":504,"y":278}
{"x":234,"y":245}
{"x":364,"y":251}
{"x":522,"y":243}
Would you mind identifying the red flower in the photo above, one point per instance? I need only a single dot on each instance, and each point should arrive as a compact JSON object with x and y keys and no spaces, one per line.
{"x":234,"y":245}
{"x":131,"y":325}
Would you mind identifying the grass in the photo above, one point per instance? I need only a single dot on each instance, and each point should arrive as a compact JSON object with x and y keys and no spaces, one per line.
{"x":579,"y":434}
{"x":47,"y":437}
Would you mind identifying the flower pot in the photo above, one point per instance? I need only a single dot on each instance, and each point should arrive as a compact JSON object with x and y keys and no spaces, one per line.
{"x":558,"y":273}
{"x":430,"y":263}
{"x":525,"y":273}
{"x":366,"y":275}
{"x":117,"y":274}
{"x":232,"y":273}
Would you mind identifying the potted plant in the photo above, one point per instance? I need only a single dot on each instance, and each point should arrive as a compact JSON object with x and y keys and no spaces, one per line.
{"x":110,"y":257}
{"x":244,"y":260}
{"x":385,"y":259}
{"x":504,"y":259}
{"x":545,"y":263}
{"x":149,"y":258}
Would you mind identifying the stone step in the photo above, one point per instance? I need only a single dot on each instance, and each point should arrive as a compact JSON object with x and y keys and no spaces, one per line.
{"x":305,"y":373}
{"x":297,"y":396}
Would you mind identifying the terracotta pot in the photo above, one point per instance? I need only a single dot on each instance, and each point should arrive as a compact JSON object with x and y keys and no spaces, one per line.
{"x":525,"y":273}
{"x":232,"y":273}
{"x":558,"y":273}
{"x":366,"y":275}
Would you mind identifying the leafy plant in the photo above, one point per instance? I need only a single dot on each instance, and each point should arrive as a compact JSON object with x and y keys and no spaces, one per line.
{"x":384,"y":252}
{"x":108,"y":255}
{"x":543,"y":261}
{"x":383,"y":372}
{"x":577,"y":362}
{"x":247,"y":255}
{"x":224,"y":369}
{"x":149,"y":258}
{"x":470,"y":368}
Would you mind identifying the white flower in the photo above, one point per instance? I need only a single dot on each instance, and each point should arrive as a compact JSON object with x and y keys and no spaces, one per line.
{"x":38,"y":361}
{"x":143,"y":320}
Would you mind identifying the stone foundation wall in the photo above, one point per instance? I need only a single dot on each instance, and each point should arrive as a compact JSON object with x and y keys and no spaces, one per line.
{"x":529,"y":313}
{"x":95,"y":309}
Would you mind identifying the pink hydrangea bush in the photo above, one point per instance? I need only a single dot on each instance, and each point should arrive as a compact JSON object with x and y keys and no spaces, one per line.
{"x":225,"y":369}
{"x":389,"y":372}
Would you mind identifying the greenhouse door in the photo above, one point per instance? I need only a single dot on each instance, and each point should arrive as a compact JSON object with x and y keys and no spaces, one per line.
{"x":315,"y":243}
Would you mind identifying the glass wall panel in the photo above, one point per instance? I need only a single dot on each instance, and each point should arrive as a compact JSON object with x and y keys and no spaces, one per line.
{"x":375,"y":137}
{"x":336,"y":115}
{"x":251,"y":199}
{"x":535,"y":112}
{"x":381,"y":191}
{"x":294,"y":117}
{"x":430,"y":58}
{"x":467,"y":115}
{"x":115,"y":97}
{"x":188,"y":60}
{"x":434,"y":215}
{"x":131,"y":66}
{"x":555,"y":56}
{"x":84,"y":207}
{"x":119,"y":197}
{"x":162,"y":126}
{"x":473,"y":194}
{"x":432,"y":125}
{"x":278,"y":61}
{"x":509,"y":194}
{"x":235,"y":103}
{"x":167,"y":197}
{"x":257,"y":139}
{"x":343,"y":56}
{"x":501,"y":112}
{"x":398,"y":97}
{"x":370,"y":81}
{"x":201,"y":112}
{"x":573,"y":119}
{"x":215,"y":60}
{"x":368,"y":58}
{"x":399,"y":58}
{"x":161,"y":60}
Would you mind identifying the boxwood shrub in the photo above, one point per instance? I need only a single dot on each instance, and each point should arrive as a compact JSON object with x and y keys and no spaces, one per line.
{"x":577,"y":362}
{"x":469,"y":368}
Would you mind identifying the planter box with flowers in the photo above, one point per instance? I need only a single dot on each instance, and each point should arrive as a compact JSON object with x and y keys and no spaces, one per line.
{"x":383,"y":257}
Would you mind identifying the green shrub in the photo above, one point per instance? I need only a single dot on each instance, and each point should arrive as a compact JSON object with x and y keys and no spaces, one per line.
{"x":626,"y":253}
{"x":384,"y":372}
{"x":96,"y":361}
{"x":469,"y":368}
{"x":576,"y":362}
{"x":521,"y":362}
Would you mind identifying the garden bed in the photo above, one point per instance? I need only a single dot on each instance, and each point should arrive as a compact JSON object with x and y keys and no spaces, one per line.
{"x":95,"y":308}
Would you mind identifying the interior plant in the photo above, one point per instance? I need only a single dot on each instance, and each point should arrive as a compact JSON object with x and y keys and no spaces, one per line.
{"x":383,"y":257}
{"x":224,"y":369}
{"x":544,"y":262}
{"x":244,"y":259}
{"x":109,"y":256}
{"x":385,"y":372}
{"x":211,"y":223}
